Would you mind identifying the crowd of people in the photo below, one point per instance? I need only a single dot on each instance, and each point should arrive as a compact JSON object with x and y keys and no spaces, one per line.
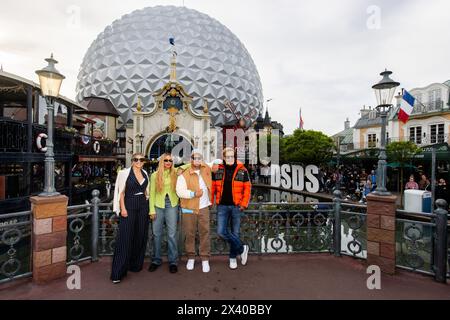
{"x":355,"y":181}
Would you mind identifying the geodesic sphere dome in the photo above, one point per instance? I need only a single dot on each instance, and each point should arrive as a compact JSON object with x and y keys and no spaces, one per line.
{"x":131,"y":57}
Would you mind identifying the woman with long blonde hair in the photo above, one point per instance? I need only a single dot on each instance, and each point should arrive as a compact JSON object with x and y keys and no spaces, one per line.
{"x":164,"y":208}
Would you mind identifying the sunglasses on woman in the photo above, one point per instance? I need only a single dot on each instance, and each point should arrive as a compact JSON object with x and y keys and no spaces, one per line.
{"x":168,"y":160}
{"x":139,"y":160}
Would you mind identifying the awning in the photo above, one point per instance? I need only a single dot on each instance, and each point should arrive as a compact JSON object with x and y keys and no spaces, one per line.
{"x":398,"y":165}
{"x":442,"y":152}
{"x":96,"y":159}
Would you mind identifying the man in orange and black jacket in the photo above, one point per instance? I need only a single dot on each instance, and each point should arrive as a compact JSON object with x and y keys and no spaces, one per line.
{"x":231,"y":189}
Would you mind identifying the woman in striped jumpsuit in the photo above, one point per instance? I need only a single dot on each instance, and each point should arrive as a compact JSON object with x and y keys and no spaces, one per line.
{"x":134,"y":218}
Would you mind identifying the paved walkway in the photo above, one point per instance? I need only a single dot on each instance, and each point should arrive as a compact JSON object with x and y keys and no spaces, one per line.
{"x":304,"y":276}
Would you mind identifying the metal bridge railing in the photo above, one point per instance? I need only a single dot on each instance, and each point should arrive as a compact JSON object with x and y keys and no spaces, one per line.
{"x":15,"y":246}
{"x":422,"y":241}
{"x":336,"y":227}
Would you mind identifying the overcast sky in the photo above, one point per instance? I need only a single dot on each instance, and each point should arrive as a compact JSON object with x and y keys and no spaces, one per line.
{"x":322,"y":56}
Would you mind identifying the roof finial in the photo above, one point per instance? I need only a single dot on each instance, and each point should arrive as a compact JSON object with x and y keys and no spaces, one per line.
{"x":173,"y":63}
{"x":139,"y":106}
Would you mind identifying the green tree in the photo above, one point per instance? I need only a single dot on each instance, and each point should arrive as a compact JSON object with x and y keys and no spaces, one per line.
{"x":400,"y":154}
{"x":307,"y":147}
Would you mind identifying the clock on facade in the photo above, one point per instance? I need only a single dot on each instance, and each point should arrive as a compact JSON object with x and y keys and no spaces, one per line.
{"x":172,"y":102}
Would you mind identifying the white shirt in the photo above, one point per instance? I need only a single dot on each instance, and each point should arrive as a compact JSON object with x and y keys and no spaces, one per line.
{"x":185,"y":193}
{"x":204,"y":199}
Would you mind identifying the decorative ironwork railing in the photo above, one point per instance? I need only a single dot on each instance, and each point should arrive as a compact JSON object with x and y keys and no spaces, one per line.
{"x":354,"y":228}
{"x":268,"y":228}
{"x":15,"y":246}
{"x":432,"y":106}
{"x":90,"y":146}
{"x":422,"y":241}
{"x":78,"y":233}
{"x":14,"y":137}
{"x":415,"y":245}
{"x":422,"y":140}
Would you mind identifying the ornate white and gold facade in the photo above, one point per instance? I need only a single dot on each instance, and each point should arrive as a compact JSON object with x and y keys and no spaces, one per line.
{"x":172,"y":124}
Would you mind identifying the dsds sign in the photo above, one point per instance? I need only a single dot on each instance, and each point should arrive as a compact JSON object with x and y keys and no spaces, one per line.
{"x":295,"y":177}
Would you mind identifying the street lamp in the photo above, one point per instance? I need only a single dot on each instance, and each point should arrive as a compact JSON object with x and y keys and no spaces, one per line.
{"x":50,"y":81}
{"x":141,"y":140}
{"x":384,"y":92}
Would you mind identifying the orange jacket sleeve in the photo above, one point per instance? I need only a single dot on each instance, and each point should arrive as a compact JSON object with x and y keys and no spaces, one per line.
{"x":247,"y":191}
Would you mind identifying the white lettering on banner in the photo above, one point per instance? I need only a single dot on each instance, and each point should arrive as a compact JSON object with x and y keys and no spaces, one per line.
{"x":286,"y":179}
{"x":275,"y":177}
{"x":313,"y":184}
{"x":298,"y":178}
{"x":293,"y":177}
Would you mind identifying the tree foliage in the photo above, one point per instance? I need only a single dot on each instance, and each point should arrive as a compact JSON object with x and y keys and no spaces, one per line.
{"x":307,"y":147}
{"x":402,"y":151}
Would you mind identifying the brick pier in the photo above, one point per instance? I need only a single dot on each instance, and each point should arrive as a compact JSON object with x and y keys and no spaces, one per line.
{"x":49,"y":238}
{"x":381,"y":232}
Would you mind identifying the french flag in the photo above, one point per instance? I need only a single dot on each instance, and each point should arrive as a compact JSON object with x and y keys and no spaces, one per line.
{"x":406,"y":106}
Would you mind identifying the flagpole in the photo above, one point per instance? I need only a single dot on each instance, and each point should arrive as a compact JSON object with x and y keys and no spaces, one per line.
{"x":300,"y":119}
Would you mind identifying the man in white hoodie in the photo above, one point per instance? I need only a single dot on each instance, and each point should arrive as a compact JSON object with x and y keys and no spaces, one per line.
{"x":194,"y":190}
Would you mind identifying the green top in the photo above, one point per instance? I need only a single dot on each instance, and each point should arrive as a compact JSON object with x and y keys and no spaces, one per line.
{"x":157,"y":199}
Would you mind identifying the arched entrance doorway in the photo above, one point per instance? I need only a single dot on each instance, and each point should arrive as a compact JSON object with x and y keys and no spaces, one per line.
{"x":174,"y":143}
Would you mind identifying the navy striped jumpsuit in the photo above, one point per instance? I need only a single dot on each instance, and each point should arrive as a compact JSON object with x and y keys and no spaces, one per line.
{"x":131,"y":240}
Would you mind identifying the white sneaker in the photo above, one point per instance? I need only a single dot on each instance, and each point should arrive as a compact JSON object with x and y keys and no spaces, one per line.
{"x":190,"y":264}
{"x":205,"y":266}
{"x":244,"y":255}
{"x":233,"y":263}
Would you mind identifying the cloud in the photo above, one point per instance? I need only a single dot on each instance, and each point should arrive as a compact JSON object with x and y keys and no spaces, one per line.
{"x":318,"y":55}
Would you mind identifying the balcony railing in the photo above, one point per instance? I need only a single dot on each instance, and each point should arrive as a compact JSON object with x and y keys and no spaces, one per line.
{"x":428,"y":107}
{"x":89,"y":146}
{"x":14,"y":138}
{"x":421,"y":140}
{"x":120,"y":151}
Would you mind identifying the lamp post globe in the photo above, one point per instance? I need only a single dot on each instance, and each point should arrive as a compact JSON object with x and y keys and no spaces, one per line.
{"x":50,"y":81}
{"x":384,"y":93}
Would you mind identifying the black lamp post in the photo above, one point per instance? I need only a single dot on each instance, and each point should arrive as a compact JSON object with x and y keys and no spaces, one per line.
{"x":141,"y":140}
{"x":384,"y":92}
{"x":50,"y":81}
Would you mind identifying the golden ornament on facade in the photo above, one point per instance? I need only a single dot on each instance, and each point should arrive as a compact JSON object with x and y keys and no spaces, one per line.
{"x":173,"y":92}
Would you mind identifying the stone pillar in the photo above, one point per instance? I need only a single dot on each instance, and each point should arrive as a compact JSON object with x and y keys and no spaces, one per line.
{"x":49,"y":237}
{"x":381,"y":232}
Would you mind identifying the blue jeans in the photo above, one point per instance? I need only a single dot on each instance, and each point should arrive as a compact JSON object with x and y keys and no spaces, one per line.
{"x":230,"y":216}
{"x":169,"y":215}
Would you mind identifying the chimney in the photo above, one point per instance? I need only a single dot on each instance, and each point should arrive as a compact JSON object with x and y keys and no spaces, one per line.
{"x":347,"y":124}
{"x":365,"y":111}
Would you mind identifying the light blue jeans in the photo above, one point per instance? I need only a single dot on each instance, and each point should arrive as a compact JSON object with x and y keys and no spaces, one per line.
{"x":169,"y":215}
